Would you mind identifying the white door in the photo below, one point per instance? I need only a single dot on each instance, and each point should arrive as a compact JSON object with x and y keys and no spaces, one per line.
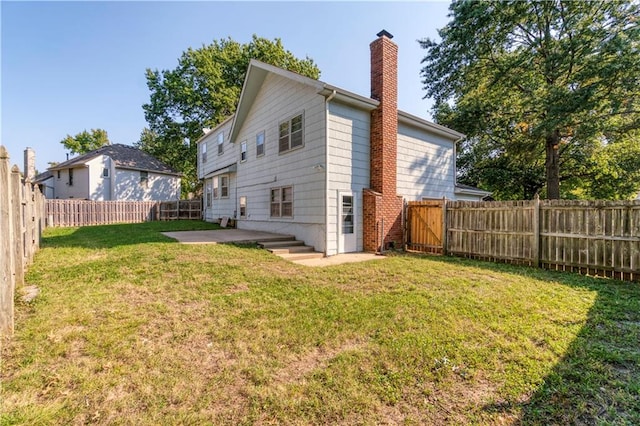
{"x":346,"y":222}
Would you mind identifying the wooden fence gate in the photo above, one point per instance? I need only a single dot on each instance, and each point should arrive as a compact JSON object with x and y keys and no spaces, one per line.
{"x":425,"y":225}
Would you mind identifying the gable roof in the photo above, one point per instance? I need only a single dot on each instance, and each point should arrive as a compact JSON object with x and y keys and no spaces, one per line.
{"x":258,"y":71}
{"x":124,"y":157}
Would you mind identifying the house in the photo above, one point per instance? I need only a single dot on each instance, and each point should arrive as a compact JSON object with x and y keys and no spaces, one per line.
{"x":113,"y":172}
{"x":333,"y":168}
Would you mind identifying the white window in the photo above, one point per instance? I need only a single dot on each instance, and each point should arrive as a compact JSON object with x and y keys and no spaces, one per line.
{"x":207,"y":193}
{"x":260,"y":144}
{"x":203,"y":150}
{"x":243,"y":207}
{"x":215,"y":187}
{"x":243,"y":151}
{"x":220,"y":143}
{"x":224,"y":186}
{"x":291,"y":134}
{"x":282,"y":202}
{"x":105,"y":172}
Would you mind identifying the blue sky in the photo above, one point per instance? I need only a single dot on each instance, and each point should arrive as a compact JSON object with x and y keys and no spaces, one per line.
{"x":71,"y":66}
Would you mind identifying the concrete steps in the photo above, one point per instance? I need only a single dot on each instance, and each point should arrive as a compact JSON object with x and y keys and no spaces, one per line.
{"x":289,"y":248}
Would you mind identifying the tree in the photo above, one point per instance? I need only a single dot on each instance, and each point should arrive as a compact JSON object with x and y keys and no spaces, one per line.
{"x":85,"y":141}
{"x":201,"y":92}
{"x":541,"y":88}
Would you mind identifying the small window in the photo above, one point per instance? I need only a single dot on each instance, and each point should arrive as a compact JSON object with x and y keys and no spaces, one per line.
{"x":243,"y":207}
{"x":144,"y":178}
{"x":70,"y":177}
{"x":215,"y":187}
{"x":282,"y":202}
{"x":243,"y":151}
{"x":207,"y":192}
{"x":260,"y":144}
{"x":105,"y":172}
{"x":290,"y":133}
{"x":224,"y":186}
{"x":203,"y":151}
{"x":220,"y":143}
{"x":58,"y":174}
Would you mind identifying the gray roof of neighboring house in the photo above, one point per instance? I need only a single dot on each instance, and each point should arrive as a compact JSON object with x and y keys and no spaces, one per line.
{"x":124,"y":157}
{"x":41,"y":177}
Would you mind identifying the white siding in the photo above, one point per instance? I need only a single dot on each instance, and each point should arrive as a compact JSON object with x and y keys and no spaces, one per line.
{"x":99,"y":186}
{"x":425,"y":164}
{"x":127,"y":186}
{"x":220,"y":206}
{"x":348,"y":167}
{"x":79,"y":188}
{"x":279,"y":99}
{"x":215,"y":161}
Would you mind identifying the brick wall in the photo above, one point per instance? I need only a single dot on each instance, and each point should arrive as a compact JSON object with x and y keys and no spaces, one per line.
{"x":382,"y":202}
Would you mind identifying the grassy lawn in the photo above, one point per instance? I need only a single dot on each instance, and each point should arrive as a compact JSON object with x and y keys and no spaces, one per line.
{"x":133,"y":328}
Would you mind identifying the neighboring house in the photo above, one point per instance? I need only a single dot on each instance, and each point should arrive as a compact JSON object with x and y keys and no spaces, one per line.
{"x":115,"y":172}
{"x":46,"y":183}
{"x":333,"y":168}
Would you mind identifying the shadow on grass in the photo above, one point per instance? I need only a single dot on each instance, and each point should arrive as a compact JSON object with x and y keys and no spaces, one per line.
{"x":107,"y":236}
{"x":597,"y":381}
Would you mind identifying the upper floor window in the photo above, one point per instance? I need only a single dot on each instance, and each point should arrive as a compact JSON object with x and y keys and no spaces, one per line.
{"x":58,"y":174}
{"x":243,"y":151}
{"x":105,"y":172}
{"x":203,"y":151}
{"x":70,"y":177}
{"x":260,"y":144}
{"x":220,"y":143}
{"x":290,"y":132}
{"x":144,"y":178}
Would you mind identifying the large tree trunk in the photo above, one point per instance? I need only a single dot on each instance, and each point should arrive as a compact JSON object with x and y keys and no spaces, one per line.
{"x":553,"y":165}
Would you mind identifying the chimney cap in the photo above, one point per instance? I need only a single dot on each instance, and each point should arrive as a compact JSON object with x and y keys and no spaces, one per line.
{"x":385,"y":33}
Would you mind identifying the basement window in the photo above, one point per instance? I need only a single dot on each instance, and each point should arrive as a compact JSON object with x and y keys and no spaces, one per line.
{"x":224,"y":186}
{"x":243,"y":207}
{"x":282,"y":202}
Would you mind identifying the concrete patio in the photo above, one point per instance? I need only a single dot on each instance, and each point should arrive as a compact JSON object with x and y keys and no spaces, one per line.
{"x":243,"y":236}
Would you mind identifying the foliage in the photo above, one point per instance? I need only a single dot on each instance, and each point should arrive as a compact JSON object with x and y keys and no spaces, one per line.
{"x":85,"y":141}
{"x":544,"y":91}
{"x":133,"y":325}
{"x":201,"y":92}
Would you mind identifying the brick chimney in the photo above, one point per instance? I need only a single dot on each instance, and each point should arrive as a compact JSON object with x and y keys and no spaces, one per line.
{"x":29,"y":165}
{"x":382,"y":206}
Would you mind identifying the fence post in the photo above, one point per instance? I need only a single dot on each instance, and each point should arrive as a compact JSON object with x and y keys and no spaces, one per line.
{"x":7,"y":279}
{"x":444,"y":226}
{"x":536,"y":231}
{"x":18,"y":228}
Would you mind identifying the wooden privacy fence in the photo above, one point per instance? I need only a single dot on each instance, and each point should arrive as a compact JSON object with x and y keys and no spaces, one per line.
{"x":88,"y":213}
{"x":424,"y":226}
{"x":21,"y":225}
{"x":592,"y":237}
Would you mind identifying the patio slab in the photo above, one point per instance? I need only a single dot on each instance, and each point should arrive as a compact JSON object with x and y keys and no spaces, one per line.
{"x":223,"y":236}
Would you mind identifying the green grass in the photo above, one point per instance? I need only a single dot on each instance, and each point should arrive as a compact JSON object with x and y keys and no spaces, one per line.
{"x":133,"y":328}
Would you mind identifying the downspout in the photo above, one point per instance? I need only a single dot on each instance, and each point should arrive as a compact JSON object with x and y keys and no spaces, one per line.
{"x":326,"y":171}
